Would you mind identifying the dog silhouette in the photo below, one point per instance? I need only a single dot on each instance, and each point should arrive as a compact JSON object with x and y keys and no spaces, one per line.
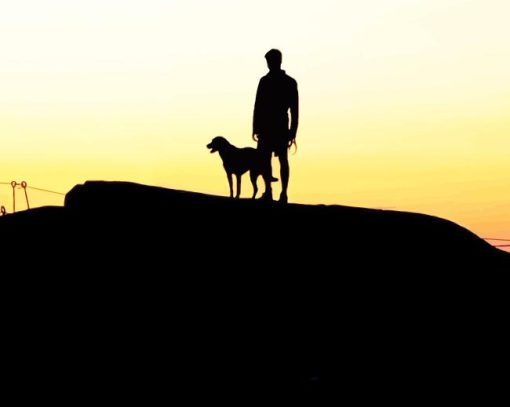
{"x":237,"y":161}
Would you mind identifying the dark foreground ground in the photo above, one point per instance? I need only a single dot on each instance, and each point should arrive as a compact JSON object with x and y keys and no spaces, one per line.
{"x":136,"y":293}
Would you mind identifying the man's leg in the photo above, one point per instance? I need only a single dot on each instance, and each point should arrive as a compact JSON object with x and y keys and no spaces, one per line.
{"x":284,"y":174}
{"x":265,"y":154}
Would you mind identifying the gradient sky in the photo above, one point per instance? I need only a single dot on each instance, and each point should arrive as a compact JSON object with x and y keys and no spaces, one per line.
{"x":405,"y":104}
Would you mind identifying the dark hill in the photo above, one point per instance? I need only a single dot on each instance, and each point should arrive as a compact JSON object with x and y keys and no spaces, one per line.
{"x":148,"y":292}
{"x":164,"y":221}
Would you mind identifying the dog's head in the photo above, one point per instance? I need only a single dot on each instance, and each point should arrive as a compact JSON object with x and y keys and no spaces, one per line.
{"x":217,"y":144}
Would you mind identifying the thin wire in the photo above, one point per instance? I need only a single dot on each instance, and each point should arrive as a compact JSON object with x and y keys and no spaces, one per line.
{"x":501,"y":240}
{"x":37,"y":189}
{"x":45,"y":190}
{"x":503,"y":245}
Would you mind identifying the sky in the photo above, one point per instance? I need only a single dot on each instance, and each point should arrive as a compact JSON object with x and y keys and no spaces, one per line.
{"x":404,"y":104}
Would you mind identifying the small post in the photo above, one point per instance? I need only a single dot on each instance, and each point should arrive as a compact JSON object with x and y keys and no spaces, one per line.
{"x":13,"y":185}
{"x":2,"y":210}
{"x":24,"y":186}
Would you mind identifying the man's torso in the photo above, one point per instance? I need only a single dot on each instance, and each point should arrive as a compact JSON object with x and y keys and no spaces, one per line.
{"x":276,"y":90}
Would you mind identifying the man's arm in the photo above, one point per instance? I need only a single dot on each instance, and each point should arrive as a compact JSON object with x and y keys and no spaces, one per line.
{"x":256,"y":112}
{"x":294,"y":111}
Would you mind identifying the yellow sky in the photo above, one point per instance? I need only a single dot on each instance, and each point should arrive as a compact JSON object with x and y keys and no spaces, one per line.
{"x":404,"y":103}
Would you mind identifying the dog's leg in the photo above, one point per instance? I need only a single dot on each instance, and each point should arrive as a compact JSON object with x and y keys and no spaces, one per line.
{"x":229,"y":176}
{"x":253,"y":178}
{"x":238,"y":185}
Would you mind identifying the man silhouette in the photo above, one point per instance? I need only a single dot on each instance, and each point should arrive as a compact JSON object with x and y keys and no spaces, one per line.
{"x":277,"y":93}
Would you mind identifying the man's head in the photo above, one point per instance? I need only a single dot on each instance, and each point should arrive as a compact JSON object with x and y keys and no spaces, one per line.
{"x":274,"y":59}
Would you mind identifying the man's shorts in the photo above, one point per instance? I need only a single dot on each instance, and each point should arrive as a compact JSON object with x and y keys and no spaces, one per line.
{"x":277,"y":143}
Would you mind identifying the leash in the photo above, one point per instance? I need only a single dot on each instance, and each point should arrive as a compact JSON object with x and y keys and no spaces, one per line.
{"x":291,"y":143}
